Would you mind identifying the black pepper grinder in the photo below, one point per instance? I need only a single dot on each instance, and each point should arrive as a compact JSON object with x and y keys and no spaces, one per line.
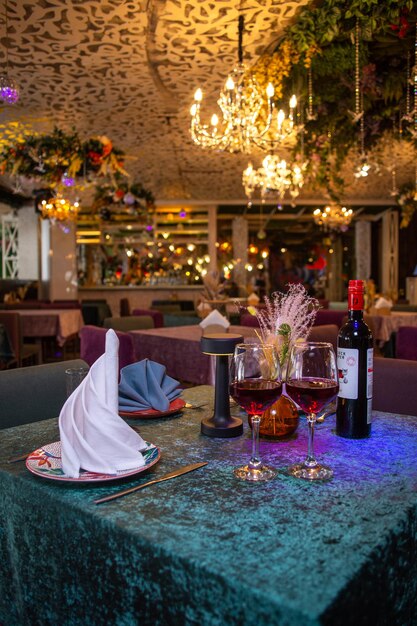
{"x":221,"y":424}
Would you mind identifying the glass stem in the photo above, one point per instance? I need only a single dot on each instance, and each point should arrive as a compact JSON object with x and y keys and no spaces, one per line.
{"x":310,"y":460}
{"x":255,"y":461}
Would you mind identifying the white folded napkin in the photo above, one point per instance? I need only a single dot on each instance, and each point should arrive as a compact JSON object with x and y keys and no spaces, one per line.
{"x":215,"y":318}
{"x":383,"y":303}
{"x":93,"y":435}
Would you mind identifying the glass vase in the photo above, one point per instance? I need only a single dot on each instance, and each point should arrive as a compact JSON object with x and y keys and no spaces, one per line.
{"x":280,"y":420}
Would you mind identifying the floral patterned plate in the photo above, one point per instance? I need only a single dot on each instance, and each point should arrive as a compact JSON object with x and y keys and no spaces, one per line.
{"x":175,"y":406}
{"x":46,"y":462}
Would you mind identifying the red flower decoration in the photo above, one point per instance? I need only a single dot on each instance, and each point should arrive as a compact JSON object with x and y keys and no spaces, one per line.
{"x":95,"y":157}
{"x":402,"y":28}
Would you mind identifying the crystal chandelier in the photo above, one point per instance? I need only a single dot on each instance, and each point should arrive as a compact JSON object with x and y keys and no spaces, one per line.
{"x":333,"y":217}
{"x":241,"y":103}
{"x":282,"y":129}
{"x":9,"y":91}
{"x":275,"y":177}
{"x":59,"y":209}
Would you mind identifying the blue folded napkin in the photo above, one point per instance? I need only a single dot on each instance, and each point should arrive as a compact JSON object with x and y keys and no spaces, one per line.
{"x":145,"y":385}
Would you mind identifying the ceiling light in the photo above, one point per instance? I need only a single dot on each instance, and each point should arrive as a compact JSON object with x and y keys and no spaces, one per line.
{"x":333,"y":217}
{"x":241,"y":103}
{"x":59,"y":209}
{"x":274,"y":177}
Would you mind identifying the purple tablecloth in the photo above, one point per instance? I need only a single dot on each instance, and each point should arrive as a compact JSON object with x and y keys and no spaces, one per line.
{"x":59,"y":323}
{"x":178,"y":348}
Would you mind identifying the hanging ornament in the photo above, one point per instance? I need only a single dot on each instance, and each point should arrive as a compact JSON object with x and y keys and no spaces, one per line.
{"x":9,"y":91}
{"x":357,"y":114}
{"x":363,"y":167}
{"x":310,"y":111}
{"x":67,"y":181}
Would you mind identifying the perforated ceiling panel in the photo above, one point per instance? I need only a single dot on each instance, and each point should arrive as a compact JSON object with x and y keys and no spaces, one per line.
{"x":129,"y":70}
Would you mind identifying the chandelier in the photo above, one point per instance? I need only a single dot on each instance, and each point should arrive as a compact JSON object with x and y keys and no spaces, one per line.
{"x":275,"y":176}
{"x":59,"y":209}
{"x":282,"y":130}
{"x":241,"y":104}
{"x":333,"y":217}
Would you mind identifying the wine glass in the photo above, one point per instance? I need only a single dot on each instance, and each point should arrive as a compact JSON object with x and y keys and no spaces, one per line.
{"x":255,"y":384}
{"x":312,"y":382}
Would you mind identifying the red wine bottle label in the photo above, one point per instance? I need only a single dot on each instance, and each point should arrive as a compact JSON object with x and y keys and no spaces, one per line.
{"x":369,"y":374}
{"x":348,"y":369}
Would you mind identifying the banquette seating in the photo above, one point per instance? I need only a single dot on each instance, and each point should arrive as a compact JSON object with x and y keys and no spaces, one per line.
{"x":93,"y":341}
{"x":33,"y":393}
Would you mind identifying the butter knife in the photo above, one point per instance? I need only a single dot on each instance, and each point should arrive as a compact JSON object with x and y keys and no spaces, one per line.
{"x":174,"y":474}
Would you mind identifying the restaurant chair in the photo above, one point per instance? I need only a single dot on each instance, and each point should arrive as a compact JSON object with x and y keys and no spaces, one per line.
{"x":94,"y":312}
{"x":246,"y":319}
{"x":327,"y":316}
{"x":394,"y":386}
{"x":34,"y":393}
{"x":180,"y":319}
{"x":24,"y":353}
{"x":124,"y":307}
{"x":406,"y":343}
{"x":157,"y":316}
{"x":324,"y":332}
{"x":129,"y":322}
{"x":93,"y":341}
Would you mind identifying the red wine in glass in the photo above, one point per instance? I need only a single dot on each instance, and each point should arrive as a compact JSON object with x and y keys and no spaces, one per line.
{"x":255,"y":396}
{"x":255,"y":384}
{"x":312,"y":382}
{"x":312,"y":394}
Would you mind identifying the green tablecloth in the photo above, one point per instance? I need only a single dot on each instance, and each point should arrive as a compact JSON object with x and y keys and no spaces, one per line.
{"x":208,"y":550}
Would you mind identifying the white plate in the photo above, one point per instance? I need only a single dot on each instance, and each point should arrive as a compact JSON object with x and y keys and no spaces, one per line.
{"x":46,"y":462}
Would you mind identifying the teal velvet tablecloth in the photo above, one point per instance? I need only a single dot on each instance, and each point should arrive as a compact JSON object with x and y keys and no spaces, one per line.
{"x":208,"y":550}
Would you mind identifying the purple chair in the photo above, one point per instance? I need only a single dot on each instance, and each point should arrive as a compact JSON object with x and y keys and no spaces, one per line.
{"x":325,"y":332}
{"x":328,"y":316}
{"x":93,"y":341}
{"x":395,"y":384}
{"x":246,"y":319}
{"x":157,"y":316}
{"x":406,"y":343}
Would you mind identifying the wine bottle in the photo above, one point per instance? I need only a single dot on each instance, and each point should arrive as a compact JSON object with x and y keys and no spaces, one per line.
{"x":355,"y":367}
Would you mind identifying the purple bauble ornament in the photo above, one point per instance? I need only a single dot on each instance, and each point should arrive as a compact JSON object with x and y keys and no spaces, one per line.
{"x":129,"y":198}
{"x":67,"y":181}
{"x":9,"y":91}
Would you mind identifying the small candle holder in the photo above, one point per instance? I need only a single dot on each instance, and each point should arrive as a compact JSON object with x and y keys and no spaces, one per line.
{"x":221,"y":424}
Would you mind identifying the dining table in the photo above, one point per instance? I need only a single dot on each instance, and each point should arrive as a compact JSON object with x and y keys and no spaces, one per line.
{"x":58,"y":323}
{"x":178,"y":348}
{"x":208,"y":549}
{"x":385,"y":325}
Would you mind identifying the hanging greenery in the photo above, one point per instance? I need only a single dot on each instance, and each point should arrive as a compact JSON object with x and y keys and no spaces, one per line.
{"x":407,"y":201}
{"x":111,"y":200}
{"x":48,"y":158}
{"x":322,"y":38}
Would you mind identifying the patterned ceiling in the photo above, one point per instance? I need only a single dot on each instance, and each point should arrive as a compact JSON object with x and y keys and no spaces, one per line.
{"x":129,"y":69}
